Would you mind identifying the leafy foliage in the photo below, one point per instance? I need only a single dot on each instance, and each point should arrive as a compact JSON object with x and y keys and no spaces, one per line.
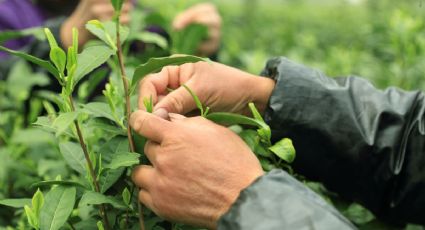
{"x":59,"y":203}
{"x":156,"y":64}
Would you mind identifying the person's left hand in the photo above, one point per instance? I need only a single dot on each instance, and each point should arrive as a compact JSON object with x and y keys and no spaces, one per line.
{"x":206,"y":14}
{"x":198,"y":168}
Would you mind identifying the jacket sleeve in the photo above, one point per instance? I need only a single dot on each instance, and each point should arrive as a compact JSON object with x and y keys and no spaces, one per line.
{"x":278,"y":201}
{"x":363,"y":143}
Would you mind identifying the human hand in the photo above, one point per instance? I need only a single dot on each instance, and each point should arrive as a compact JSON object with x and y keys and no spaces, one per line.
{"x":198,"y":168}
{"x":218,"y":86}
{"x":87,"y":10}
{"x":206,"y":14}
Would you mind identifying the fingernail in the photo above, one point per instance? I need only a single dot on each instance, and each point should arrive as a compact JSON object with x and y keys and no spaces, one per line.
{"x":161,"y":112}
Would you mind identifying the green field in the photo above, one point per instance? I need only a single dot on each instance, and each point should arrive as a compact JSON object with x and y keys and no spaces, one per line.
{"x":382,"y":40}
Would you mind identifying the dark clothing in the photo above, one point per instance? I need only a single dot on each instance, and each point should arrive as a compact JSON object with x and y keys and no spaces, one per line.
{"x":18,"y":15}
{"x":363,"y":143}
{"x":23,"y":14}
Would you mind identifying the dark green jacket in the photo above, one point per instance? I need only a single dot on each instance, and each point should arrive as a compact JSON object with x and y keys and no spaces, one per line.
{"x":365,"y":144}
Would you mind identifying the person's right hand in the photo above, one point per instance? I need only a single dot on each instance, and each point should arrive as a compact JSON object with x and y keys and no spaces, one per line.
{"x":87,"y":10}
{"x":218,"y":86}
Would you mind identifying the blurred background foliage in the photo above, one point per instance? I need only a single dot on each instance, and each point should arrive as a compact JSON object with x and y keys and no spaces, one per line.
{"x":382,"y":40}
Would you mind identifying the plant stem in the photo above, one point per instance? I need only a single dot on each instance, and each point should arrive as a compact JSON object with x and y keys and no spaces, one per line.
{"x":127,"y":106}
{"x":126,"y":88}
{"x":90,"y":164}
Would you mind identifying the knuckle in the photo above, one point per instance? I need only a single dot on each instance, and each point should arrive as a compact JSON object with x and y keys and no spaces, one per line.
{"x":161,"y":162}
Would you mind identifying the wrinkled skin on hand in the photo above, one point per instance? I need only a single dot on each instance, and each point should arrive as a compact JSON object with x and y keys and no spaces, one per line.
{"x":198,"y":168}
{"x":218,"y":86}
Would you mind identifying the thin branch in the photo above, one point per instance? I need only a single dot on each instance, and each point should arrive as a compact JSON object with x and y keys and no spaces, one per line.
{"x":126,"y":88}
{"x":127,"y":106}
{"x":90,"y":164}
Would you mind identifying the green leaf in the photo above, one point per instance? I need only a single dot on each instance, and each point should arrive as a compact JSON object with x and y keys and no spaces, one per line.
{"x":255,"y":112}
{"x":126,"y":196}
{"x":64,"y":120}
{"x":148,"y":104}
{"x":15,"y":203}
{"x":57,"y":182}
{"x":58,"y":205}
{"x":109,"y":177}
{"x":235,"y":119}
{"x":32,"y":136}
{"x":266,"y":164}
{"x":196,"y":99}
{"x":44,"y":123}
{"x":123,"y":159}
{"x":98,"y":29}
{"x":249,"y":136}
{"x":58,"y":57}
{"x":358,"y":214}
{"x":94,"y":198}
{"x":21,"y":79}
{"x":264,"y":132}
{"x":32,"y":219}
{"x":37,"y":32}
{"x":156,"y":64}
{"x":100,"y":225}
{"x":284,"y":150}
{"x":74,"y":156}
{"x":117,"y":4}
{"x":91,"y":58}
{"x":87,"y":88}
{"x":149,"y":37}
{"x":50,"y":38}
{"x":106,"y":31}
{"x":75,"y":40}
{"x":42,"y":63}
{"x":37,"y":202}
{"x":99,"y":109}
{"x":188,"y":40}
{"x":252,"y":139}
{"x":71,"y":64}
{"x":115,"y":145}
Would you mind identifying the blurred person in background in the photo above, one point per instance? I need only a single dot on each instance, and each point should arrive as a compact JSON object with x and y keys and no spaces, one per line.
{"x":62,"y":15}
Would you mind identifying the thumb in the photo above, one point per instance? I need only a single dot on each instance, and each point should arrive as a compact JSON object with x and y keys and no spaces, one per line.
{"x":150,"y":125}
{"x":179,"y":101}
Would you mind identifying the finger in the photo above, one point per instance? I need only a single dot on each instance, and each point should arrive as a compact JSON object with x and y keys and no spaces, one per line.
{"x":125,"y":19}
{"x":151,"y":149}
{"x":186,"y":17}
{"x":155,"y":84}
{"x":176,"y":117}
{"x":149,"y":125}
{"x":213,"y":21}
{"x":179,"y":101}
{"x":127,"y":7}
{"x":211,"y":45}
{"x":103,"y":11}
{"x":146,"y":198}
{"x":143,"y":176}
